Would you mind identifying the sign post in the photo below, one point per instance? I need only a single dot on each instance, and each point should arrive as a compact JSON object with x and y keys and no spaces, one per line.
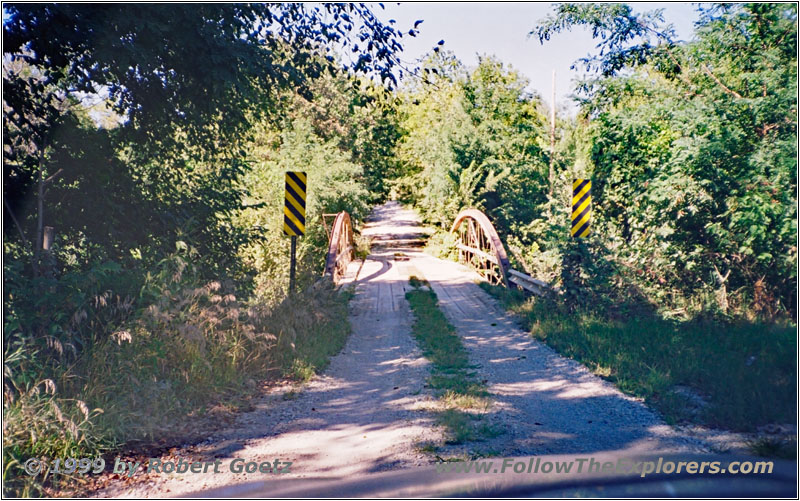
{"x":294,"y":216}
{"x":293,"y":264}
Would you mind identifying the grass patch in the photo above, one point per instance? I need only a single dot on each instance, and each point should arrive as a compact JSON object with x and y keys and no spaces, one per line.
{"x":472,"y":399}
{"x":465,"y":427}
{"x":452,"y":377}
{"x":736,"y":376}
{"x":427,"y":448}
{"x":774,"y":448}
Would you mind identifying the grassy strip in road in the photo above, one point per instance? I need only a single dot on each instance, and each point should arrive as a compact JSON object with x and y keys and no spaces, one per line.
{"x":452,"y":376}
{"x":733,"y":376}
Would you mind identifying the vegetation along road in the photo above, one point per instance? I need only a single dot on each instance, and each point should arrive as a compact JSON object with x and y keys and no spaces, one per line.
{"x":148,"y":310}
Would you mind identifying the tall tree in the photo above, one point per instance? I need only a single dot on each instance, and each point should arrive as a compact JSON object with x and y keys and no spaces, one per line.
{"x":187,"y":80}
{"x":694,"y":147}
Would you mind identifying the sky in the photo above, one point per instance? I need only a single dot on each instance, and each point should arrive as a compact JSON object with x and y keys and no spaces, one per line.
{"x":501,"y":29}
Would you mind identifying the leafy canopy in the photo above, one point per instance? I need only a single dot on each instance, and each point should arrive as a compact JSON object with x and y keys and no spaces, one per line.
{"x":201,"y":67}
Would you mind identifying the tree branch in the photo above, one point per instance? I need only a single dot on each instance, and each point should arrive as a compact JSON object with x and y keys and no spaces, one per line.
{"x":49,"y":179}
{"x":717,"y":80}
{"x":16,"y":223}
{"x":721,"y":279}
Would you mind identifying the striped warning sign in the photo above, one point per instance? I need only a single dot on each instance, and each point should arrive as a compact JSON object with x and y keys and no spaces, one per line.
{"x":581,"y":207}
{"x":294,"y":208}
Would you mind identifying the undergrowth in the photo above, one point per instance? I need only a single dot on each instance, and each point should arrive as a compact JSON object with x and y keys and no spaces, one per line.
{"x":738,"y":375}
{"x":442,"y":244}
{"x":157,"y":362}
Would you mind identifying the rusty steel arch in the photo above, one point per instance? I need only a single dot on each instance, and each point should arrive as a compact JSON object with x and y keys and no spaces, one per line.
{"x":480,"y":246}
{"x":340,"y":247}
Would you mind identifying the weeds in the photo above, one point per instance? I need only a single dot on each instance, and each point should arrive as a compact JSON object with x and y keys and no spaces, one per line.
{"x":737,"y":376}
{"x":452,"y":376}
{"x":188,"y":345}
{"x":442,"y":244}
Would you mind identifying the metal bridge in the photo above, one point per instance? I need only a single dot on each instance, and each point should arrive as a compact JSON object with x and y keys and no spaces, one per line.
{"x":479,"y":246}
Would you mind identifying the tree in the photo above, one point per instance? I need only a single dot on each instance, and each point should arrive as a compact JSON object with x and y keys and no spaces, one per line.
{"x":694,"y":149}
{"x":191,"y":65}
{"x":188,"y":80}
{"x":473,"y":138}
{"x":627,"y":39}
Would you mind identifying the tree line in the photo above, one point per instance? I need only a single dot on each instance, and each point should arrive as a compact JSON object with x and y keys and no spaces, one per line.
{"x":691,"y":148}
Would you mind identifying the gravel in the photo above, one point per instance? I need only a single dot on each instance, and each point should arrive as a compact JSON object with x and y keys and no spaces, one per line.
{"x":546,"y":403}
{"x":370,"y":411}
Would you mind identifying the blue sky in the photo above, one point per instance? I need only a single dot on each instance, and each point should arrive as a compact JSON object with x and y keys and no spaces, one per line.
{"x":501,"y":28}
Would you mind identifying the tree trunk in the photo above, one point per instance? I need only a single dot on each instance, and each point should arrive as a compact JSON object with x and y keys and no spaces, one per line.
{"x":48,"y":265}
{"x":37,"y":248}
{"x":722,"y":291}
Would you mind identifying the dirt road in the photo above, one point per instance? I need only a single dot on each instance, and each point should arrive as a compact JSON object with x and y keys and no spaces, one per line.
{"x":370,"y":408}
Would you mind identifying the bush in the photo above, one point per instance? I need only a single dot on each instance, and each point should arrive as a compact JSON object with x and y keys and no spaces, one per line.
{"x":183,"y":344}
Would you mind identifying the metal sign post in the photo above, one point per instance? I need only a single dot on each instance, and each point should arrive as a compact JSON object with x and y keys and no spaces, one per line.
{"x":294,"y":216}
{"x":293,"y":264}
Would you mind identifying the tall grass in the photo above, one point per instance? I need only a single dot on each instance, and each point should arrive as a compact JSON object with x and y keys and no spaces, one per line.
{"x":186,"y":344}
{"x":737,"y":375}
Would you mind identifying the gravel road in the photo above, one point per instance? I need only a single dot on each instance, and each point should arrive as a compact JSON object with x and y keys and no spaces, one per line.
{"x":546,"y":403}
{"x":370,"y":409}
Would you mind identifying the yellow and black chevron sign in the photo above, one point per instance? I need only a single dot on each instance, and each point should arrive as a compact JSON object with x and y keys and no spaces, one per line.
{"x":294,"y":209}
{"x":581,"y":207}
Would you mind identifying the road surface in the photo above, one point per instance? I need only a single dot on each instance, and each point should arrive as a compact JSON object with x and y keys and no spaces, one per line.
{"x":371,"y":410}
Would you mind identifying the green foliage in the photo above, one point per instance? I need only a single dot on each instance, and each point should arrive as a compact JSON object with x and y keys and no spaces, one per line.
{"x":472,"y":139}
{"x":358,"y":117}
{"x":177,"y":153}
{"x":335,"y":184}
{"x":148,"y":57}
{"x":692,"y":152}
{"x":627,"y":38}
{"x":442,"y":244}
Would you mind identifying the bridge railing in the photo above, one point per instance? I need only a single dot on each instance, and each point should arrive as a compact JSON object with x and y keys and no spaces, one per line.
{"x":480,"y":247}
{"x":341,"y":247}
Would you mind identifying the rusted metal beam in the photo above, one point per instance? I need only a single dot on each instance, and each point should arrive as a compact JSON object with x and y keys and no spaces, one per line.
{"x":346,"y":254}
{"x":325,"y":224}
{"x":340,"y":247}
{"x":477,"y":237}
